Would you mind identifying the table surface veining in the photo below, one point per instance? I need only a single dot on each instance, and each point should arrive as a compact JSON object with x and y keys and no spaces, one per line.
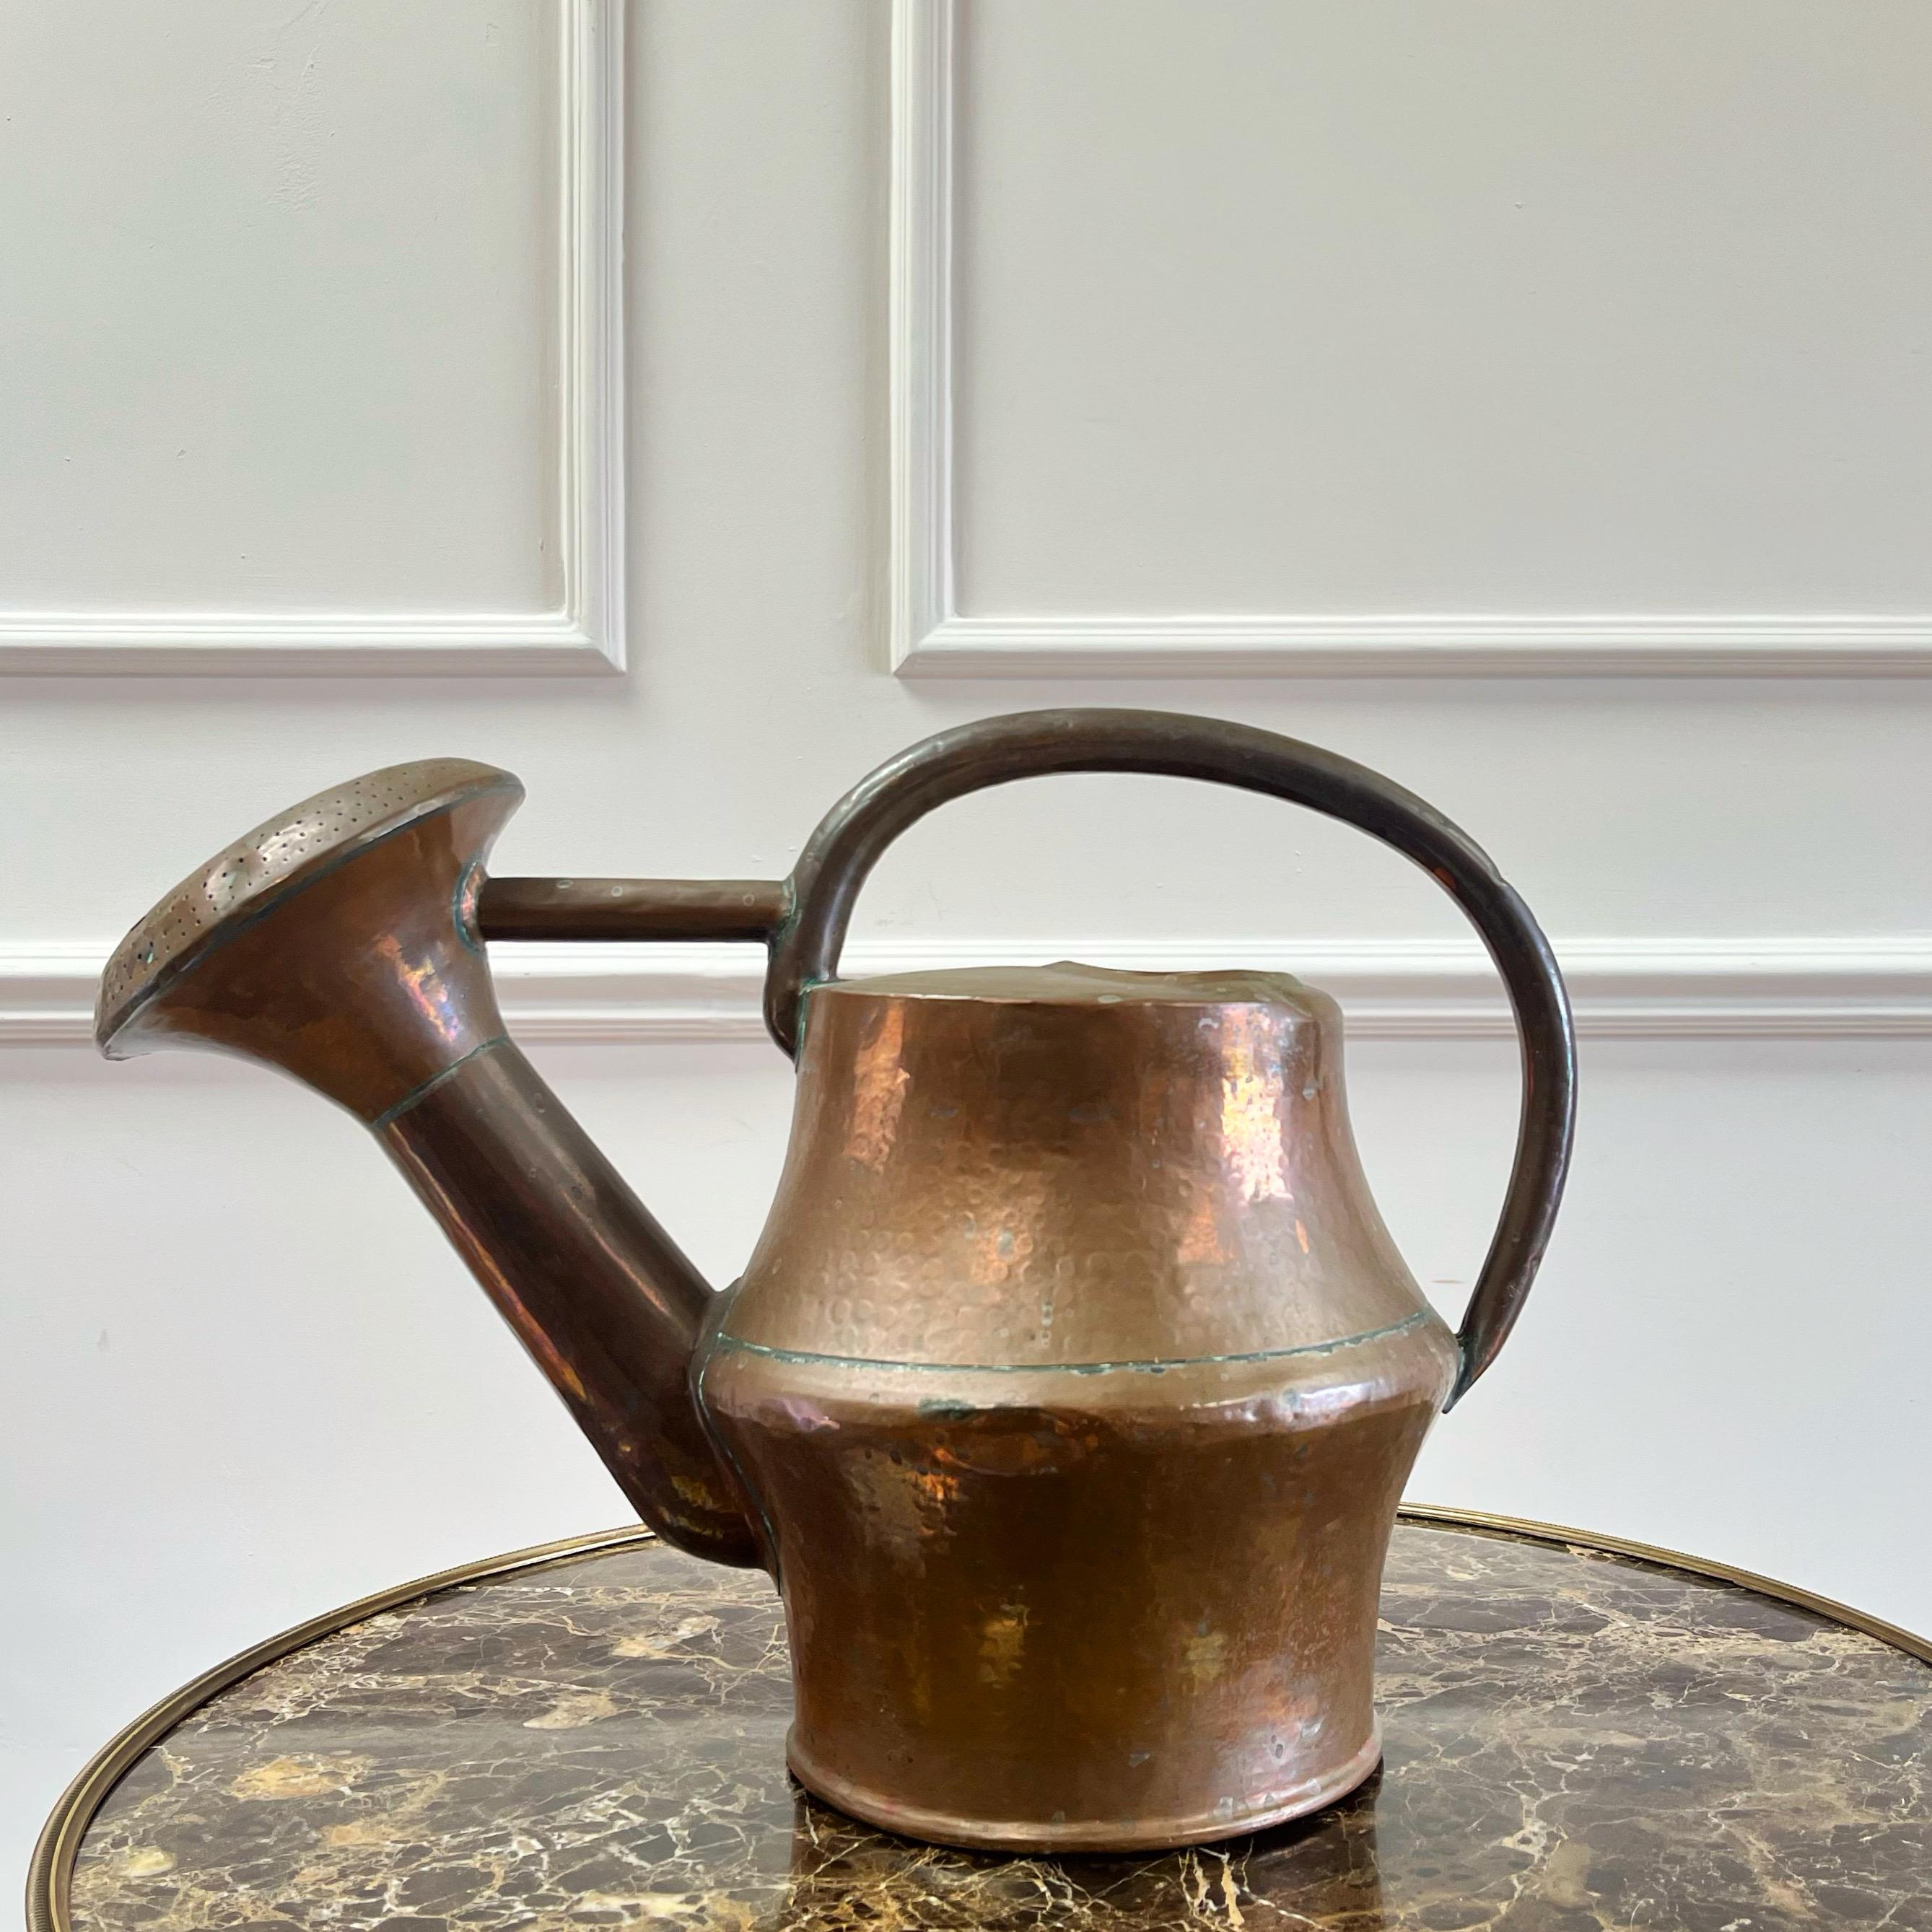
{"x":1574,"y":1741}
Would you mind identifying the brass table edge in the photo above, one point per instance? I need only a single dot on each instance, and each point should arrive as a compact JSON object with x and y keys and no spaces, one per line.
{"x":1526,"y":1529}
{"x":50,"y":1873}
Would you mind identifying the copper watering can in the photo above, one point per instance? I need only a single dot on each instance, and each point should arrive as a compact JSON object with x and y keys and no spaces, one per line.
{"x":1069,"y":1392}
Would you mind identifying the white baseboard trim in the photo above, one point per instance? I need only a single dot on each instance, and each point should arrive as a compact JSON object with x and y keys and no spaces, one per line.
{"x":1785,"y":987}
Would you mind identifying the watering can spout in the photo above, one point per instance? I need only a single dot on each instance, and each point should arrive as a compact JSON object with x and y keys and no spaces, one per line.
{"x":339,"y":943}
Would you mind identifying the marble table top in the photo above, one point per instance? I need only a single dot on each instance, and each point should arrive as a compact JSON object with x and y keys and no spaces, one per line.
{"x":1576,"y":1741}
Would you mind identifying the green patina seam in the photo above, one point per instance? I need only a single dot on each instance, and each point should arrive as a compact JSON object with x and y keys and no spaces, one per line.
{"x":718,"y":1442}
{"x":467,"y":919}
{"x":1153,"y":1366}
{"x":435,"y":1080}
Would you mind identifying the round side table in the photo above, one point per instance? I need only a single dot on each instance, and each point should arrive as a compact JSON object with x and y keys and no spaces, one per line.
{"x":1581,"y":1734}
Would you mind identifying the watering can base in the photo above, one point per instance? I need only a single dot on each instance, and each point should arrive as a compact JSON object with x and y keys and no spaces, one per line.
{"x":1087,"y":1835}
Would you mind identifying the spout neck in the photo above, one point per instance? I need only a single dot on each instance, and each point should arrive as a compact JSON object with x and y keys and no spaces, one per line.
{"x":604,"y":1300}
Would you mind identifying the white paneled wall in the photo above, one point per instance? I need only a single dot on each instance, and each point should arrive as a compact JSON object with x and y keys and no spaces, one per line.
{"x":314,"y":337}
{"x":1294,"y":363}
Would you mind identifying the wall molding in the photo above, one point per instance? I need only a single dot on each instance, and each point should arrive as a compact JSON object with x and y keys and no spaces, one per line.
{"x":586,"y":633}
{"x":1871,"y":987}
{"x":931,"y":638}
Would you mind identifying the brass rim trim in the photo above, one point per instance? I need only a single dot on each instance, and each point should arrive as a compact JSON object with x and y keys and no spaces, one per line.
{"x":50,"y":1875}
{"x":1526,"y":1529}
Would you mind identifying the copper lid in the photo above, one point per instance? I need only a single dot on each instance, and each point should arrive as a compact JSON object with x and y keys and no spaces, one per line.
{"x":1067,"y":982}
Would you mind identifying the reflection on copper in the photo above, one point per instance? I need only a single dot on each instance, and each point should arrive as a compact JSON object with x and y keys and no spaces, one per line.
{"x":1201,"y":1243}
{"x":878,"y":1091}
{"x":998,"y":1254}
{"x":1251,"y":1097}
{"x":424,"y":987}
{"x":1002,"y":1645}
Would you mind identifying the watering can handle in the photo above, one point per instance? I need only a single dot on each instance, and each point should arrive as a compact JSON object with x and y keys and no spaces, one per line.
{"x":849,"y":841}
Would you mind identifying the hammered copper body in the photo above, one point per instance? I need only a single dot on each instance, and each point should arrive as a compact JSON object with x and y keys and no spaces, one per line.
{"x":1078,"y":1379}
{"x":1070,"y":1390}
